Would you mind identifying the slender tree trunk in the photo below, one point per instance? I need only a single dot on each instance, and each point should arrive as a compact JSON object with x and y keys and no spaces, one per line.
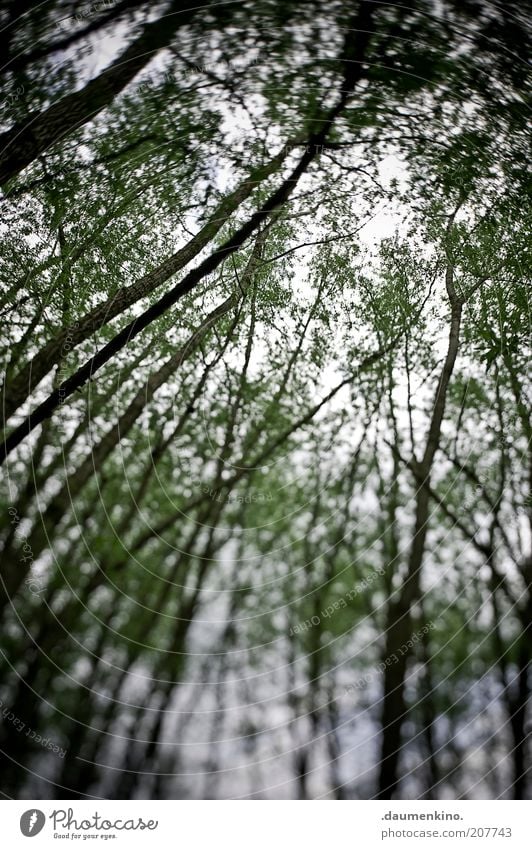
{"x":400,"y":621}
{"x":20,"y":386}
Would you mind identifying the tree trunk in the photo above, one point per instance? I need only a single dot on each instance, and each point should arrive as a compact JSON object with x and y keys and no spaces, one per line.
{"x":24,"y":142}
{"x":399,"y":617}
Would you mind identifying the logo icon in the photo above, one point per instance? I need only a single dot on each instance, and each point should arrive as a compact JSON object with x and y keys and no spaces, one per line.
{"x":32,"y":822}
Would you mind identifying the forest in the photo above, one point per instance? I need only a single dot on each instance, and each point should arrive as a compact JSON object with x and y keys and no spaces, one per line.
{"x":266,"y":503}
